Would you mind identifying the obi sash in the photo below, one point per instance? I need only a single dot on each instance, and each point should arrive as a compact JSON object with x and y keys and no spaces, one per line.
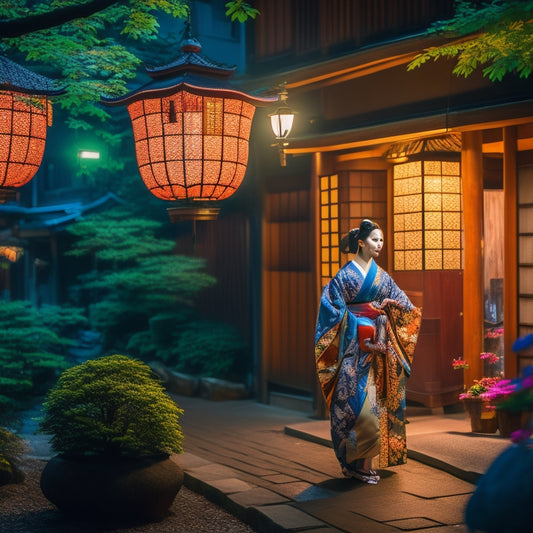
{"x":365,"y":314}
{"x":364,"y":311}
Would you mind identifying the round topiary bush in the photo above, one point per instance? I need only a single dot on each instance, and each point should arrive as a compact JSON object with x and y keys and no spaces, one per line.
{"x":114,"y":428}
{"x":111,"y":406}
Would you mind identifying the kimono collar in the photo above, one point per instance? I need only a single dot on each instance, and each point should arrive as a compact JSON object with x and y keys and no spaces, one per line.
{"x":364,"y":292}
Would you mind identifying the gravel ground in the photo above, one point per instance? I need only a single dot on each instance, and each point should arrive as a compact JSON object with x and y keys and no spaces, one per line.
{"x":24,"y":509}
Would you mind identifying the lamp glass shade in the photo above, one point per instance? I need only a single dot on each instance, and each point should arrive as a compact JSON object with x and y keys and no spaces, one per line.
{"x":191,"y":146}
{"x":23,"y":122}
{"x":281,"y":122}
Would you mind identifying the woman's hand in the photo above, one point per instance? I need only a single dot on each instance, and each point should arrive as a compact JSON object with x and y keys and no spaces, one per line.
{"x":384,"y":303}
{"x":376,"y":347}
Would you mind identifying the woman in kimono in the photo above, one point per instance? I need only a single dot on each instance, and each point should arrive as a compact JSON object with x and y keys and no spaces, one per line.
{"x":365,"y":338}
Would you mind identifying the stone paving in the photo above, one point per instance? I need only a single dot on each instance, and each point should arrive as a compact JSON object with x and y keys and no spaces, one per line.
{"x":275,"y":469}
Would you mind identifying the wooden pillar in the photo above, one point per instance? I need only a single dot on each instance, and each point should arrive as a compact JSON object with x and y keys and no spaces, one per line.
{"x":510,"y":251}
{"x":473,"y":308}
{"x":322,"y":165}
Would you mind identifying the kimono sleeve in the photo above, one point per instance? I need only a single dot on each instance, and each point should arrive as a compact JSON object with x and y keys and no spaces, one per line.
{"x":330,"y":335}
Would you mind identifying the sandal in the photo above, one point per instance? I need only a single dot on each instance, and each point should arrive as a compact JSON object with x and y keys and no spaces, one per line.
{"x":360,"y":466}
{"x":371,"y":477}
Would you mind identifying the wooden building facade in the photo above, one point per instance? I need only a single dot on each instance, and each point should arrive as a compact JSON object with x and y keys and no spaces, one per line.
{"x":444,"y":164}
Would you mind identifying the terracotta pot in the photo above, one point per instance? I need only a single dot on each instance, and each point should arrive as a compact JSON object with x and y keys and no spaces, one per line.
{"x":133,"y":488}
{"x":482,"y":419}
{"x":508,"y":421}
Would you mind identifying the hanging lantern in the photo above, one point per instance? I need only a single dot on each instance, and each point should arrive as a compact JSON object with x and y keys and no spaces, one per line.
{"x":25,"y":112}
{"x":427,"y":204}
{"x":191,"y":131}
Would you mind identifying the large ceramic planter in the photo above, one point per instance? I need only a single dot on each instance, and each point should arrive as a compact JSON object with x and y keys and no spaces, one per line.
{"x":142,"y":488}
{"x":482,"y":418}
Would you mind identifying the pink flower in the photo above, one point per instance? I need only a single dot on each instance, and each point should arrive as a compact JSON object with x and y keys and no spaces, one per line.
{"x":492,"y":357}
{"x":459,"y":364}
{"x":499,"y":390}
{"x":494,"y":333}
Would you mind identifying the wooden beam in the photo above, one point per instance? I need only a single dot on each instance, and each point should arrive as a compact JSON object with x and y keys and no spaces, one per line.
{"x":473,"y":308}
{"x":510,"y":251}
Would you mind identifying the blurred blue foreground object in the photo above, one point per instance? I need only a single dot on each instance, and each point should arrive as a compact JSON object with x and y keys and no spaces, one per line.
{"x":502,"y":500}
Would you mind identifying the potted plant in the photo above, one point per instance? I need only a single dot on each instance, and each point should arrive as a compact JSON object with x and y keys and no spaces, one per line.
{"x":114,"y":430}
{"x":515,"y":397}
{"x":482,"y":413}
{"x":509,"y":419}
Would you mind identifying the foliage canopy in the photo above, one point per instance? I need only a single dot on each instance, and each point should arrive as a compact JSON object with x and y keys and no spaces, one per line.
{"x":111,"y":406}
{"x":496,"y":36}
{"x":90,"y":46}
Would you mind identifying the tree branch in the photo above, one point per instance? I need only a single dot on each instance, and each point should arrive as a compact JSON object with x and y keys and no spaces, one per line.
{"x":31,"y":23}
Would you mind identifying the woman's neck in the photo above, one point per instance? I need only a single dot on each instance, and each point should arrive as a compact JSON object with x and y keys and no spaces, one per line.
{"x":364,"y":262}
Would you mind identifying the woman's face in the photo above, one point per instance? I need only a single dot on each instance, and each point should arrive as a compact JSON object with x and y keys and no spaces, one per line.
{"x":372,"y":245}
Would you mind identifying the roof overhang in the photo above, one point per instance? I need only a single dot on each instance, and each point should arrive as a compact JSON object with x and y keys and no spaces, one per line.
{"x":439,"y":124}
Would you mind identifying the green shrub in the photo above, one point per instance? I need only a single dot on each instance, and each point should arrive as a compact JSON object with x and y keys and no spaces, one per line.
{"x":134,"y":274}
{"x":111,"y":406}
{"x":34,"y":346}
{"x":12,"y":447}
{"x":210,"y":349}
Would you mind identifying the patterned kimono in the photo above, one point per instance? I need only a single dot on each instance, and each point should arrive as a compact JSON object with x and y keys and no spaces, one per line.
{"x":364,"y":389}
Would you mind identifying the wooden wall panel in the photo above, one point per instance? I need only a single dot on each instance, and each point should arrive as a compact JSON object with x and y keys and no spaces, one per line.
{"x":288,"y":314}
{"x":288,"y":332}
{"x":303,"y":27}
{"x":224,"y":244}
{"x":433,"y":381}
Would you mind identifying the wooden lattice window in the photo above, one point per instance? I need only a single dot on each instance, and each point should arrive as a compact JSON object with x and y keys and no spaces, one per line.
{"x":345,"y":199}
{"x":427,"y":216}
{"x":329,"y":227}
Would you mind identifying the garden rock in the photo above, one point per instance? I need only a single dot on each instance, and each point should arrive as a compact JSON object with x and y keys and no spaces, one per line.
{"x":176,"y":382}
{"x":221,"y":390}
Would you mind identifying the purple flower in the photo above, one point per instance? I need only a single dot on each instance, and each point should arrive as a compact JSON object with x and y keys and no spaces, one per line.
{"x":527,"y":382}
{"x":521,"y":435}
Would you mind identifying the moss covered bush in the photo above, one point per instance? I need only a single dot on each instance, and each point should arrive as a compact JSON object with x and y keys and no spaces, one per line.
{"x":111,"y":406}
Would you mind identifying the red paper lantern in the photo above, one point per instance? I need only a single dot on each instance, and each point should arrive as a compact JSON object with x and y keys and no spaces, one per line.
{"x":23,"y":122}
{"x":25,"y":112}
{"x":191,"y":128}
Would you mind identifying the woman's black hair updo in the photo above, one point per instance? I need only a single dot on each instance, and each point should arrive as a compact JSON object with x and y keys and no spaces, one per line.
{"x":350,"y":243}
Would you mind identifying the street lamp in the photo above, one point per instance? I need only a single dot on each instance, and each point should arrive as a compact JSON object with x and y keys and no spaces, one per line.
{"x":281,"y":121}
{"x":191,"y":131}
{"x":25,"y":112}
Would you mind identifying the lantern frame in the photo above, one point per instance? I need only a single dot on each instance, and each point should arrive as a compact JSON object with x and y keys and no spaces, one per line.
{"x":25,"y":113}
